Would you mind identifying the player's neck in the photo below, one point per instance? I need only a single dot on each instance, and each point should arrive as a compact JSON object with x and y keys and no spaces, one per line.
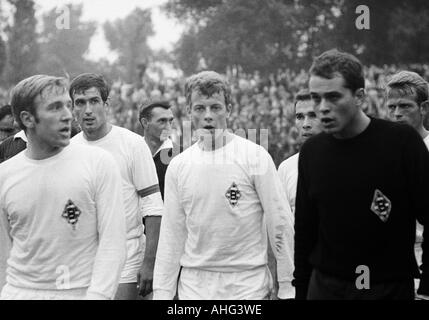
{"x":98,"y":134}
{"x":355,"y":127}
{"x":153,"y":143}
{"x":212,"y":143}
{"x":38,"y":149}
{"x":423,"y":132}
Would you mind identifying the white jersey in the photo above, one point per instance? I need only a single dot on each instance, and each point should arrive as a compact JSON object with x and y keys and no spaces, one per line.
{"x":65,"y":218}
{"x":288,"y":172}
{"x":427,"y":141}
{"x":138,"y":172}
{"x":215,"y":205}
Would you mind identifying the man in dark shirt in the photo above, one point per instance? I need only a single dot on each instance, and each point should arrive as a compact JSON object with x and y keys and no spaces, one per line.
{"x":156,"y":119}
{"x":7,"y":126}
{"x":12,"y":146}
{"x":362,"y":184}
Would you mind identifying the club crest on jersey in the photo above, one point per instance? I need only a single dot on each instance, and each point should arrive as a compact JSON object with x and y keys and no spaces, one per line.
{"x":381,"y":205}
{"x":233,"y":194}
{"x":71,"y":213}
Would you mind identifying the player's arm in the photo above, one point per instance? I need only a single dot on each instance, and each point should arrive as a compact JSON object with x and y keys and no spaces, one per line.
{"x":2,"y":152}
{"x":5,"y":245}
{"x":171,"y":240}
{"x":111,"y":252}
{"x":417,"y":170}
{"x":306,"y":228}
{"x":151,"y":207}
{"x":279,"y":220}
{"x":285,"y":178}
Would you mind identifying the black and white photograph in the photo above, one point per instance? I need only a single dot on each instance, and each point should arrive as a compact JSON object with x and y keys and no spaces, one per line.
{"x":240,"y":151}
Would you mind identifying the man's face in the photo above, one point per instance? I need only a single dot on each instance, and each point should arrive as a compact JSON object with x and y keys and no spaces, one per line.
{"x":159,"y":126}
{"x":89,"y":110}
{"x":52,"y":125}
{"x":335,"y":105}
{"x":403,"y":108}
{"x":209,"y":114}
{"x":306,"y":120}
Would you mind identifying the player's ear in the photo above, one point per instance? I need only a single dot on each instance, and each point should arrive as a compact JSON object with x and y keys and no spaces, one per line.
{"x":229,"y":109}
{"x":144,"y":122}
{"x":107,"y":102}
{"x":28,"y":120}
{"x":360,"y":96}
{"x":424,"y":108}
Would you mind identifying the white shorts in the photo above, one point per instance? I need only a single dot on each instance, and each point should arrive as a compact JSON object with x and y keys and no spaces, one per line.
{"x":195,"y":284}
{"x":10,"y":292}
{"x":135,"y":253}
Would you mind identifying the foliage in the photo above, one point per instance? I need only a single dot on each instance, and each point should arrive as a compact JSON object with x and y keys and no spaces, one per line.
{"x":272,"y":34}
{"x":128,"y":37}
{"x":63,"y":49}
{"x":23,"y":49}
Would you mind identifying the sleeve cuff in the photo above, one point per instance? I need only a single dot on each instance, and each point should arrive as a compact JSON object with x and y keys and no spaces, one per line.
{"x":162,"y":295}
{"x":286,"y":290}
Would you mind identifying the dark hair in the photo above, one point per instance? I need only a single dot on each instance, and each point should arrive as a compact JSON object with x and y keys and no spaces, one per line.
{"x":207,"y":83}
{"x":302,"y":95}
{"x":333,"y":62}
{"x":23,"y":95}
{"x":5,"y":110}
{"x":146,"y":109}
{"x":409,"y":83}
{"x":87,"y":81}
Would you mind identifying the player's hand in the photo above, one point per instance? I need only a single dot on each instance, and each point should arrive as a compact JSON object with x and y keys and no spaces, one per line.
{"x":145,"y":277}
{"x":421,"y":297}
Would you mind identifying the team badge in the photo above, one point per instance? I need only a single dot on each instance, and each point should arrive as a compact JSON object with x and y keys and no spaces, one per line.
{"x":381,"y":205}
{"x":71,"y":213}
{"x":233,"y":194}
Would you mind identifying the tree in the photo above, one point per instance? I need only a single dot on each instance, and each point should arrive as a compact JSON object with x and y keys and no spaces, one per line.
{"x":257,"y":35}
{"x":128,"y":37}
{"x":267,"y":35}
{"x":409,"y":36}
{"x":397,"y":29}
{"x":23,"y":49}
{"x":64,"y":41}
{"x":3,"y":53}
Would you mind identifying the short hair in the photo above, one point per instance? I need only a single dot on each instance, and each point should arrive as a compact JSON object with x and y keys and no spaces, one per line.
{"x":146,"y":109}
{"x":302,"y":95}
{"x":333,"y":62}
{"x":5,"y":110}
{"x":87,"y":81}
{"x":409,"y":83}
{"x":207,"y":83}
{"x":23,"y":95}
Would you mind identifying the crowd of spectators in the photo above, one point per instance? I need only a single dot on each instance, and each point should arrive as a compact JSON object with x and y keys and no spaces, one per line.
{"x":263,"y":103}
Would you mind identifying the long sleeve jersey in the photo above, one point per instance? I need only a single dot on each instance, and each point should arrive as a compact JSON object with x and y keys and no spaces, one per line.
{"x":357,"y":203}
{"x":288,"y":172}
{"x":140,"y":187}
{"x":65,"y":219}
{"x":218,"y":207}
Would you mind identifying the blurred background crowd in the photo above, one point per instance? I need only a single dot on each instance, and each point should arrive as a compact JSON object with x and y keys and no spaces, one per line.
{"x":258,"y":102}
{"x":264,"y":48}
